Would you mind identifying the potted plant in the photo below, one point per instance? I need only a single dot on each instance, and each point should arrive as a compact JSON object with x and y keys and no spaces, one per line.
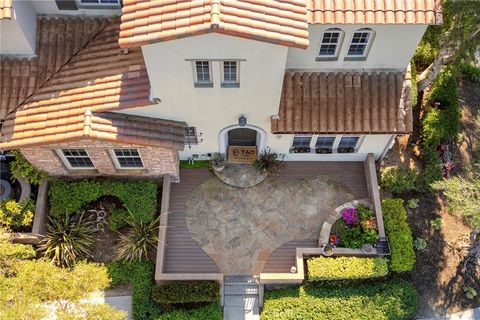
{"x":218,"y":162}
{"x":327,"y":250}
{"x":269,"y":162}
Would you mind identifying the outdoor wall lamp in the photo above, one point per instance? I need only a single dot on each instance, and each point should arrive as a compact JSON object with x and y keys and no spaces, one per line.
{"x":242,"y":121}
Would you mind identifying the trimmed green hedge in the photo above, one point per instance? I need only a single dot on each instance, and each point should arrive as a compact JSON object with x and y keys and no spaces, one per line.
{"x":390,"y":300}
{"x":211,"y":312}
{"x":179,"y":292}
{"x":398,"y":179}
{"x":342,"y":268}
{"x":140,"y":276}
{"x":399,"y":234}
{"x":140,"y":197}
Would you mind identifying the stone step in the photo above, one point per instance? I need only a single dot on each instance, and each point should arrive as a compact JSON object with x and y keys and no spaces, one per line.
{"x":241,"y":279}
{"x":247,"y":301}
{"x":240,"y":290}
{"x":239,"y":313}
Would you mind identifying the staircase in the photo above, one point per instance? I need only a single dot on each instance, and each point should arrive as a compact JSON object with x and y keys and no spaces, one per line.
{"x":242,"y":297}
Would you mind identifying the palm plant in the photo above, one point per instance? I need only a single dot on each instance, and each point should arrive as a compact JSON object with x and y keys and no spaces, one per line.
{"x":139,"y":239}
{"x":68,"y":239}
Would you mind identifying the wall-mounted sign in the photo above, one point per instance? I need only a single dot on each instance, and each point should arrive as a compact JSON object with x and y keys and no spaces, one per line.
{"x":239,"y":154}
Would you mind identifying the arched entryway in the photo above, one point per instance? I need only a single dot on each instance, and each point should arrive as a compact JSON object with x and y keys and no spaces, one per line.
{"x":247,"y":135}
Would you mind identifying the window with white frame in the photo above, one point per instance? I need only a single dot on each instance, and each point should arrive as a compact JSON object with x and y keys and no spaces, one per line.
{"x":348,"y":144}
{"x":191,"y":135}
{"x":301,"y":144}
{"x":76,"y":158}
{"x":230,"y":74}
{"x":360,"y":42}
{"x":330,"y":44}
{"x":99,"y":3}
{"x":127,"y":158}
{"x":203,"y":73}
{"x":324,"y":144}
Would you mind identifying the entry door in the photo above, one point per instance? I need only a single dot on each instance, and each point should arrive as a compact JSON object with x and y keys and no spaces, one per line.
{"x":242,"y":137}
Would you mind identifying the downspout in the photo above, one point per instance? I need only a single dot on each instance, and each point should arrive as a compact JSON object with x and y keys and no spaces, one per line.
{"x":388,"y":147}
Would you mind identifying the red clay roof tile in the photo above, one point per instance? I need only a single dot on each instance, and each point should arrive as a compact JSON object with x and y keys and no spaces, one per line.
{"x":281,"y":22}
{"x":336,"y":103}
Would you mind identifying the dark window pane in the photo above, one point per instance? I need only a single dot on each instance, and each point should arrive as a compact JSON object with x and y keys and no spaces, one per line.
{"x":325,"y":142}
{"x":78,"y":158}
{"x":301,"y":142}
{"x":128,"y":158}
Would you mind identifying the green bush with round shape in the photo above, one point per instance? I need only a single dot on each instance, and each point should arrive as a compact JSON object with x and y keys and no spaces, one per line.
{"x":346,"y":268}
{"x":398,"y":179}
{"x":389,"y":300}
{"x":402,"y":258}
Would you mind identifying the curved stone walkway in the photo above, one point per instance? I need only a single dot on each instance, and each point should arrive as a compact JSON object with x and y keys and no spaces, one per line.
{"x":240,"y":228}
{"x":241,"y":175}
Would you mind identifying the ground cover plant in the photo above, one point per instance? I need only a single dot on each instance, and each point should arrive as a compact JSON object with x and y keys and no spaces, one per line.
{"x":399,"y":234}
{"x":395,"y":299}
{"x":343,"y":268}
{"x":177,"y":294}
{"x":16,"y":214}
{"x":68,"y":197}
{"x":212,"y":311}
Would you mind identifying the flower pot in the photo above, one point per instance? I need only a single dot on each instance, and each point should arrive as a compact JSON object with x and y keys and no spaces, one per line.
{"x":367,"y":248}
{"x":327,"y":250}
{"x":219,"y":168}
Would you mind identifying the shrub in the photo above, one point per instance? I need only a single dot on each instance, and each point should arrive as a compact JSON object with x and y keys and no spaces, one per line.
{"x":412,"y":203}
{"x":117,"y":219}
{"x":269,"y":161}
{"x":20,"y":167}
{"x":391,"y":300}
{"x":184,"y":292}
{"x":16,"y":251}
{"x":471,"y":72}
{"x":420,"y":244}
{"x":321,"y":268}
{"x":436,"y":223}
{"x":356,"y":237}
{"x":399,"y":234}
{"x":350,"y":216}
{"x":67,"y":197}
{"x":16,"y":214}
{"x":140,"y":239}
{"x":140,"y":276}
{"x":68,"y":239}
{"x":398,"y":179}
{"x":212,"y":311}
{"x":463,"y":197}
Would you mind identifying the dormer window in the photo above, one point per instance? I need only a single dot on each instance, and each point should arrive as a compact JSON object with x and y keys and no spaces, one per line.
{"x":360,"y":43}
{"x":330,"y":44}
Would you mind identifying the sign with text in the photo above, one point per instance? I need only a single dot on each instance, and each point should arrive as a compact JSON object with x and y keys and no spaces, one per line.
{"x":240,"y":154}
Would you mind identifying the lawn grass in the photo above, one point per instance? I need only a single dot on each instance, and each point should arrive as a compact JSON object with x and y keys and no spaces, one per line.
{"x":184,"y":164}
{"x":392,"y":300}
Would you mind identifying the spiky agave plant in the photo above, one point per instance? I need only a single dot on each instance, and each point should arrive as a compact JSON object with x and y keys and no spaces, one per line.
{"x":68,"y":239}
{"x":139,"y":239}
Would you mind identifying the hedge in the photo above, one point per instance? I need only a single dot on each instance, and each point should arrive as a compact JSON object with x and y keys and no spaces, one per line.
{"x":211,"y":312}
{"x":179,"y":292}
{"x":390,"y":300}
{"x":399,"y":234}
{"x":342,"y":268}
{"x":140,"y":276}
{"x":398,"y":179}
{"x":140,"y":197}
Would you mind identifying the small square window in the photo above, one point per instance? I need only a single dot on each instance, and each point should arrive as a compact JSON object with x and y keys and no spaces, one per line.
{"x":77,"y":158}
{"x":301,"y":144}
{"x":191,"y":135}
{"x":324,"y":145}
{"x":128,"y":158}
{"x":330,"y":43}
{"x":359,"y":43}
{"x":230,"y":74}
{"x":348,"y":144}
{"x":203,"y":76}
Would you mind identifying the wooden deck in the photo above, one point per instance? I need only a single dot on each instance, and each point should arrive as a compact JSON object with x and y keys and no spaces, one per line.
{"x":183,"y":255}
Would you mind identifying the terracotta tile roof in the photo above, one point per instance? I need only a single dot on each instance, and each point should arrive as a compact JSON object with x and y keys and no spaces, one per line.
{"x":345,"y":103}
{"x":374,"y":11}
{"x":100,"y":77}
{"x":280,"y":22}
{"x":58,"y":40}
{"x":5,"y":9}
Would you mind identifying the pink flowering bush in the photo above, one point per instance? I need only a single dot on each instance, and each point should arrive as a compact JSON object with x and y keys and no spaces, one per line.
{"x":350,"y":216}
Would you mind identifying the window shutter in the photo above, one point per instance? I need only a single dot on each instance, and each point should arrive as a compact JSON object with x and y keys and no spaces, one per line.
{"x":66,"y":4}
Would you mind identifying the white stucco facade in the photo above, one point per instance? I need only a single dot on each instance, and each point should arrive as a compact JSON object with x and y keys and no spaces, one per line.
{"x":17,"y":35}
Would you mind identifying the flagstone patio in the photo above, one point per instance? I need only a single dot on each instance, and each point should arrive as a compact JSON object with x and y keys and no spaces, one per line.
{"x":239,"y":228}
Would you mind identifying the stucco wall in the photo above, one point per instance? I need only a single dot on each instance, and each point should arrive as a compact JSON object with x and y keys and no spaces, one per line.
{"x":17,"y":36}
{"x":157,"y":161}
{"x":392,"y":48}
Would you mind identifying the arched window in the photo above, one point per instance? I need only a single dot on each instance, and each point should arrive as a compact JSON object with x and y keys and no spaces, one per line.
{"x":360,"y":43}
{"x":330,"y":44}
